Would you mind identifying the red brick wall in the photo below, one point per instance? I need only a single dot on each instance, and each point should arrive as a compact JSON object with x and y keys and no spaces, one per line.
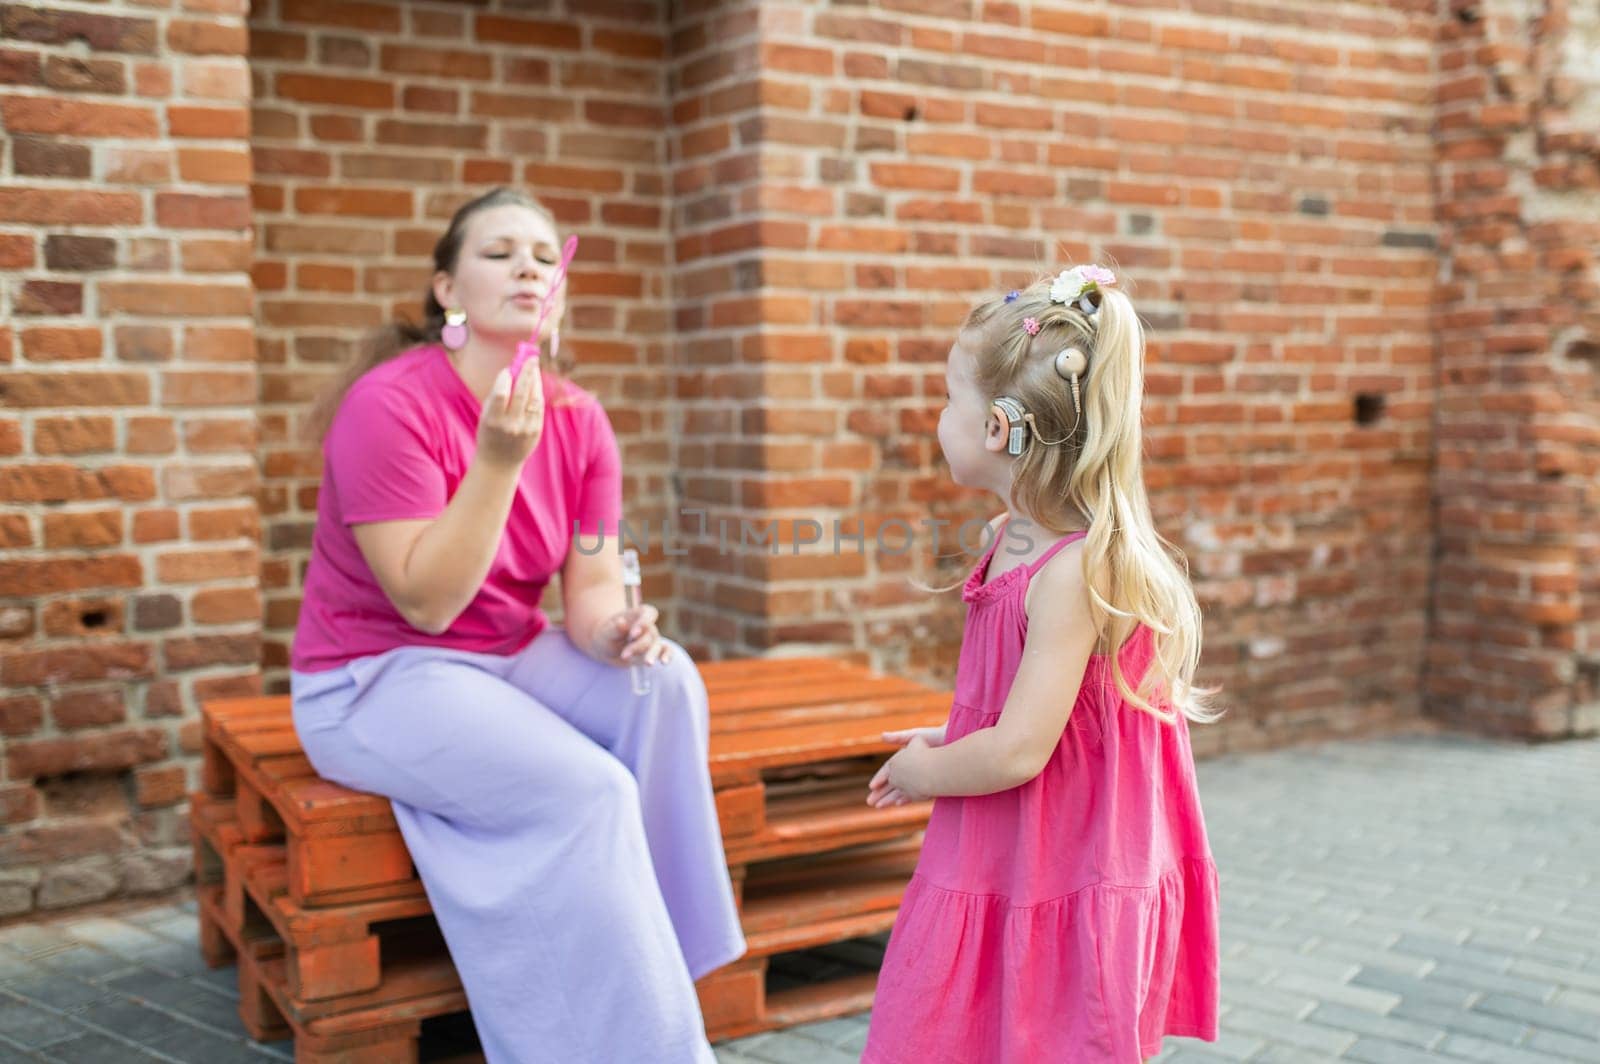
{"x":1516,"y":644}
{"x":129,"y":539}
{"x":372,"y":122}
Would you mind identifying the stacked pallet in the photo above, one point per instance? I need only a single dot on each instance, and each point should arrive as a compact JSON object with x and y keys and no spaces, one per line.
{"x":309,"y":885}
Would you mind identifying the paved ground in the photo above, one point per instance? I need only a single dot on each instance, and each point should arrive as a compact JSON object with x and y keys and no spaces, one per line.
{"x":1410,"y":900}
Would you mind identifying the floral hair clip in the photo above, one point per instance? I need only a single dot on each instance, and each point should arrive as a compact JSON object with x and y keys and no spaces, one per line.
{"x":1031,"y":325}
{"x":1011,"y":296}
{"x":1077,"y":283}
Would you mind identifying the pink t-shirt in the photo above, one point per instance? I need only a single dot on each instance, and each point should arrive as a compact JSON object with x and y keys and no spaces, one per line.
{"x":398,"y":448}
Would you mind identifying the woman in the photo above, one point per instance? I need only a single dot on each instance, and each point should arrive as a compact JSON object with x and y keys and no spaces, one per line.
{"x":562,"y":825}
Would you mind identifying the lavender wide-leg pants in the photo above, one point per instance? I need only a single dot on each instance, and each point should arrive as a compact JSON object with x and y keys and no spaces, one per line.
{"x":563,"y":827}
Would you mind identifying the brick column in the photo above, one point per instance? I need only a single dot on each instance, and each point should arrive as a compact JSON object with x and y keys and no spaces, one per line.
{"x":128,"y":523}
{"x":1516,"y":599}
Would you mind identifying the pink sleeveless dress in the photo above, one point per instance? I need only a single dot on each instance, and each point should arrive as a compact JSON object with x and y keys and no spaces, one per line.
{"x":1073,"y":919}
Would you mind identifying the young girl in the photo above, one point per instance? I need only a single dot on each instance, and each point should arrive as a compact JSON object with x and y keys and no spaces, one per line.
{"x":1064,"y":910}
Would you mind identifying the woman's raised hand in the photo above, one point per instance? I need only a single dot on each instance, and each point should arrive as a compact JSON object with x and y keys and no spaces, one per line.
{"x":512,"y":419}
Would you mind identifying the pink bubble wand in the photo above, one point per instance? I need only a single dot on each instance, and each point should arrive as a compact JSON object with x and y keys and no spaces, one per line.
{"x":528,"y":350}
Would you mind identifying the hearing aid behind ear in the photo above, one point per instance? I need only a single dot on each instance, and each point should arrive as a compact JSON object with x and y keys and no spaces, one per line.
{"x":1012,"y":417}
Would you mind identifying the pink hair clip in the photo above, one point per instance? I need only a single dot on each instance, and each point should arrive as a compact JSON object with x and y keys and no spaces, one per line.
{"x":1031,"y":325}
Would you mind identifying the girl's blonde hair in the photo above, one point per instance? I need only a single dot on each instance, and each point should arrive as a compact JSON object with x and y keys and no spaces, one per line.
{"x":1086,"y":465}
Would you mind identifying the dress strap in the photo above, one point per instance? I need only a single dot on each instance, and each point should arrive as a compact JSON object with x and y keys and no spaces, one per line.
{"x":1055,"y":548}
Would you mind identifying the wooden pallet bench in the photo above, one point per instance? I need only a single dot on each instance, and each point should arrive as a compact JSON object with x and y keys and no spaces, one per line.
{"x":309,"y":884}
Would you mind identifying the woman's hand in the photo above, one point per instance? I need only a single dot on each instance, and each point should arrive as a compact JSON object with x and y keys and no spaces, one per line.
{"x":630,"y":636}
{"x":898,"y":781}
{"x":512,"y":420}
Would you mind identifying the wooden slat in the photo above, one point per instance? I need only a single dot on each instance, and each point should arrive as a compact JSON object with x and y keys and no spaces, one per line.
{"x":797,"y":744}
{"x":827,"y":1000}
{"x":824,"y":818}
{"x":734,"y":705}
{"x":723,"y":676}
{"x":854,"y":714}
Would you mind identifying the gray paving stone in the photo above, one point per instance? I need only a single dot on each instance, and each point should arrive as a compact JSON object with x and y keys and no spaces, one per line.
{"x":1486,"y":982}
{"x":1277,"y":1053}
{"x":1280,"y":1002}
{"x":728,"y":1056}
{"x":795,"y":1048}
{"x":194,"y":1046}
{"x":95,"y":1048}
{"x":1564,"y":1046}
{"x":1343,"y":993}
{"x":31,"y":1026}
{"x":13,"y":966}
{"x":1411,"y":988}
{"x":848,"y":1029}
{"x":179,"y":926}
{"x":1381,"y":1027}
{"x":1302,"y":1036}
{"x":147,"y":984}
{"x":1378,"y":1051}
{"x":1550,"y":954}
{"x":175,"y":958}
{"x":1230,"y":1045}
{"x":212,"y":1011}
{"x":1462,"y":1021}
{"x":1468,"y":1048}
{"x":62,"y":992}
{"x":33,"y":938}
{"x":224,"y":981}
{"x":1581,"y":1000}
{"x":117,"y":936}
{"x":1547,"y":1017}
{"x":129,"y":1019}
{"x":81,"y":960}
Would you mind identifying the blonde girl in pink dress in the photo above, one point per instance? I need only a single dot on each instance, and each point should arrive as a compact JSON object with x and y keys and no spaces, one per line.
{"x":1064,"y":910}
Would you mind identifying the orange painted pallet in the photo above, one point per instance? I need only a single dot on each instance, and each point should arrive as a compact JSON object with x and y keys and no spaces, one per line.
{"x":801,"y":904}
{"x":378,"y":1028}
{"x":793,"y":743}
{"x":339,"y":944}
{"x":330,"y":952}
{"x":389,"y":964}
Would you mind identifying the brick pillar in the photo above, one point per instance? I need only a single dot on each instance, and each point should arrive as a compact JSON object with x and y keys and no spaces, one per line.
{"x":128,"y":538}
{"x":1516,"y":644}
{"x":805,"y":375}
{"x":714,"y":90}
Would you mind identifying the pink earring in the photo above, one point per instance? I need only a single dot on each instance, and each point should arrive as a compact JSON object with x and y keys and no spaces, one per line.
{"x":454,"y":333}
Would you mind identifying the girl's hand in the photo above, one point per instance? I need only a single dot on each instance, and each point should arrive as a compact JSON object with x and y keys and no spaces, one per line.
{"x":512,"y":420}
{"x":629,"y":636}
{"x":894,"y":783}
{"x":932,"y":736}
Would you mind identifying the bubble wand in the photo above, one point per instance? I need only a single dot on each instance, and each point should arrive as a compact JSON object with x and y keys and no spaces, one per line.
{"x":528,"y":350}
{"x":630,"y":586}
